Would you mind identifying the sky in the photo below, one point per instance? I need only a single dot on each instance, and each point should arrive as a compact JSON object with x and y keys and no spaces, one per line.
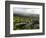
{"x":26,"y":9}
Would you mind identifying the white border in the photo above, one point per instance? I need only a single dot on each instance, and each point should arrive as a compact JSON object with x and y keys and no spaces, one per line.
{"x":24,"y":31}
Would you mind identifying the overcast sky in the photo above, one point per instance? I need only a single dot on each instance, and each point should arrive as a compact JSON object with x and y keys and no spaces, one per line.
{"x":25,"y":10}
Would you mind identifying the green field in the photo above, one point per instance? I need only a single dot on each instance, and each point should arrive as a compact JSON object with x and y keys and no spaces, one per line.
{"x":23,"y":22}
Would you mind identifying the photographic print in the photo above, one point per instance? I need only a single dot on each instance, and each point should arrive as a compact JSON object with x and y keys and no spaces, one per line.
{"x":24,"y":18}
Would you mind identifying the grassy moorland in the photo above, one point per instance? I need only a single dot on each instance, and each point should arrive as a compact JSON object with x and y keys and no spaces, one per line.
{"x":26,"y":22}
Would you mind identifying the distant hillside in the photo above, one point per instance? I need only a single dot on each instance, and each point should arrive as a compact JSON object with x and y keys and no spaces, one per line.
{"x":27,"y":15}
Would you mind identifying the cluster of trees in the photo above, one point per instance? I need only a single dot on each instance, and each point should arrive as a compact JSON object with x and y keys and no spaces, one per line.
{"x":18,"y":19}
